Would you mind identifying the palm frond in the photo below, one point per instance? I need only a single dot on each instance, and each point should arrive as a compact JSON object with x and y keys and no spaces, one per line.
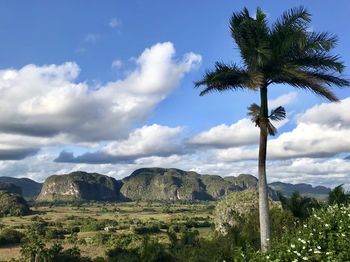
{"x":329,"y":79}
{"x":321,"y":41}
{"x":293,"y":76}
{"x":225,"y":77}
{"x":296,"y":18}
{"x":278,"y":114}
{"x":318,"y":61}
{"x":254,"y":113}
{"x":311,"y":84}
{"x":271,"y":129}
{"x":251,"y":35}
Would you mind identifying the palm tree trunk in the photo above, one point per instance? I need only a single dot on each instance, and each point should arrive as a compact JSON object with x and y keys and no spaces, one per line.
{"x":264,"y":213}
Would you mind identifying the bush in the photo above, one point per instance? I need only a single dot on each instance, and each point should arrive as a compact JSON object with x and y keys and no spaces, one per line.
{"x":9,"y":236}
{"x":53,"y":233}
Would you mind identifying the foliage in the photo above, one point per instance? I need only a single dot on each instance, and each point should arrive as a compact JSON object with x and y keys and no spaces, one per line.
{"x":234,"y":208}
{"x":323,"y":237}
{"x":300,"y":206}
{"x":338,"y":196}
{"x":33,"y":248}
{"x":13,"y":205}
{"x":9,"y":236}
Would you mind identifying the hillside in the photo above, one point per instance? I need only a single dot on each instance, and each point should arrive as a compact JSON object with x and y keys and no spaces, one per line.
{"x":176,"y":184}
{"x":12,"y":205}
{"x":30,"y":188}
{"x":80,"y":186}
{"x":10,"y":188}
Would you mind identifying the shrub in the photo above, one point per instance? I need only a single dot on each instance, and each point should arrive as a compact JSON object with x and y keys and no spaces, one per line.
{"x":9,"y":236}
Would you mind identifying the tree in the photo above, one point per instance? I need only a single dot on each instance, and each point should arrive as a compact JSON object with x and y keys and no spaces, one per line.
{"x":286,"y":52}
{"x":338,"y":196}
{"x":299,"y":205}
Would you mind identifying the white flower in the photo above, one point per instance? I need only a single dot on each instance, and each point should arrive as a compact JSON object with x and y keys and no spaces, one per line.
{"x":318,"y":247}
{"x":326,"y":225}
{"x":292,"y":246}
{"x":305,"y":258}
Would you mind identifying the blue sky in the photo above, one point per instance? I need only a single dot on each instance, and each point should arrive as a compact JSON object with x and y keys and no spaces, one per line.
{"x":106,"y":43}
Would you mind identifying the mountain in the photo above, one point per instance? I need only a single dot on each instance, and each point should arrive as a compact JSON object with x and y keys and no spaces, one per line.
{"x":10,"y":188}
{"x":157,"y":184}
{"x":13,"y":205}
{"x":30,"y":188}
{"x":318,"y":192}
{"x":80,"y":186}
{"x":243,"y":180}
{"x":176,"y":184}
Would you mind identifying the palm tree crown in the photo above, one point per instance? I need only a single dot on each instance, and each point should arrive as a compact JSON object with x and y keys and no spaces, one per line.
{"x":285,"y":52}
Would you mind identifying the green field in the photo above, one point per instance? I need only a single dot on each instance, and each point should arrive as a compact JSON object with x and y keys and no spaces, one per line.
{"x":97,"y":225}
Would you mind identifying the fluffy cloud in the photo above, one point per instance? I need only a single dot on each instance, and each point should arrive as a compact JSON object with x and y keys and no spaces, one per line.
{"x":154,"y":140}
{"x":241,"y":133}
{"x":47,"y":102}
{"x":283,"y":100}
{"x":322,"y":131}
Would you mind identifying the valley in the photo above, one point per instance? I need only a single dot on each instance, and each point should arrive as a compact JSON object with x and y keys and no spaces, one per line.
{"x":96,"y":227}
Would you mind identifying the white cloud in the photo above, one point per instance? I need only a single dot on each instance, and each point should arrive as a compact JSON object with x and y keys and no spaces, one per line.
{"x":46,"y":102}
{"x":147,"y":141}
{"x":117,"y":64}
{"x":240,"y":133}
{"x":283,"y":100}
{"x":115,"y":22}
{"x":322,"y":131}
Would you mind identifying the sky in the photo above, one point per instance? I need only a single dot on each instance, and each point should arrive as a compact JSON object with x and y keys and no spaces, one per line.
{"x":107,"y":86}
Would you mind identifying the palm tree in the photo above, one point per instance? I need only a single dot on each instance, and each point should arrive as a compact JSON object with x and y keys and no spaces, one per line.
{"x":286,"y":52}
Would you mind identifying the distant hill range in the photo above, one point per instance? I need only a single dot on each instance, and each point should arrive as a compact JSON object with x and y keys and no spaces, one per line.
{"x":149,"y":184}
{"x":318,"y":192}
{"x":10,"y":188}
{"x":29,"y":188}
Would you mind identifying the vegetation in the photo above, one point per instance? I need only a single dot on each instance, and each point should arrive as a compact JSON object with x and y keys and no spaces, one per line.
{"x":300,"y":206}
{"x":10,"y":188}
{"x":12,"y":205}
{"x":286,"y":52}
{"x":338,"y":196}
{"x":173,"y":231}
